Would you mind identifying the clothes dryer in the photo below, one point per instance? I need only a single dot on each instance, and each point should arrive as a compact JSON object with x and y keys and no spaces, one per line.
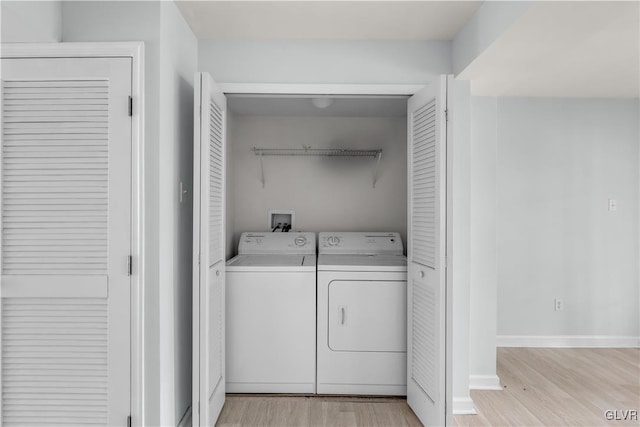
{"x":271,"y":314}
{"x":362,"y":314}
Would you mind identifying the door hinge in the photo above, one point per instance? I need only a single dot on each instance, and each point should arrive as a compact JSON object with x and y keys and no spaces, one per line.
{"x":130,"y":106}
{"x":129,"y":421}
{"x":446,"y":115}
{"x":129,"y":265}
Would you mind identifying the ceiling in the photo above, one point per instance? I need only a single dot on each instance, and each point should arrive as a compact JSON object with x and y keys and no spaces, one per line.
{"x":341,"y":106}
{"x":564,"y":49}
{"x":327,"y":20}
{"x":555,"y":49}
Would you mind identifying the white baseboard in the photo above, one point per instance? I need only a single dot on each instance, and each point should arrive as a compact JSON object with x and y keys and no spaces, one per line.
{"x":186,"y":419}
{"x":568,"y":341}
{"x":484,"y":382}
{"x":463,"y":406}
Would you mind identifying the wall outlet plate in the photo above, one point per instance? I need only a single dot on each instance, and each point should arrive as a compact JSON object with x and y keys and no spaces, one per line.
{"x":558,"y":304}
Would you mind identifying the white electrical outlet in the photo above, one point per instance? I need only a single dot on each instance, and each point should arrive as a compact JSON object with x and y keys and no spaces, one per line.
{"x":613,"y":205}
{"x":558,"y":304}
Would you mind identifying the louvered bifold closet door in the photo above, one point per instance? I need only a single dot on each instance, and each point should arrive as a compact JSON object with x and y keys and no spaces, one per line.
{"x":66,"y":209}
{"x":427,"y":215}
{"x":216,"y":244}
{"x":209,"y":244}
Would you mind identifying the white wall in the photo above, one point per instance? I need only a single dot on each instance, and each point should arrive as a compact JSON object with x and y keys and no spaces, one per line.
{"x":483,"y":263}
{"x":240,"y":61}
{"x":458,"y":229}
{"x":170,"y":64}
{"x":559,"y":161}
{"x":30,"y":21}
{"x":178,"y":64}
{"x":327,"y":194}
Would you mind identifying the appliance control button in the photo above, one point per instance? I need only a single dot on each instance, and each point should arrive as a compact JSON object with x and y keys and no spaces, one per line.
{"x":300,"y":241}
{"x":333,"y":240}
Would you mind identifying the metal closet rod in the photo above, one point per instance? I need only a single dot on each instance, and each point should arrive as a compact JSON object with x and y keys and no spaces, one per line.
{"x":308,"y":151}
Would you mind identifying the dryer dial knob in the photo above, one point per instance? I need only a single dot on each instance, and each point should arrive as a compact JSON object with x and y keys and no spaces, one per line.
{"x":300,"y":241}
{"x":333,"y":240}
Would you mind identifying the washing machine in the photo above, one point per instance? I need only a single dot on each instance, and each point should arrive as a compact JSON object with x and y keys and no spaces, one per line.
{"x":271,"y":314}
{"x":362,"y":314}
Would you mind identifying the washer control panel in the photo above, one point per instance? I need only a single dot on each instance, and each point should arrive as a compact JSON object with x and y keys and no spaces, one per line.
{"x":277,"y":243}
{"x":359,"y":243}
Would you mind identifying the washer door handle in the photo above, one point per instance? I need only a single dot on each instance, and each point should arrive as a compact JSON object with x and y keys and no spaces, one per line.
{"x":421,"y":274}
{"x":342,"y":315}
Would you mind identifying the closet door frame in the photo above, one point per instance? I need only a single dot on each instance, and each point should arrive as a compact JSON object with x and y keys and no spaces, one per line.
{"x":135,"y":51}
{"x":284,"y":90}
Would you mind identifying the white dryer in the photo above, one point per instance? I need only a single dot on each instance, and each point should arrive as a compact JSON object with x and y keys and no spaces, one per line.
{"x":271,"y":314}
{"x":362,"y":314}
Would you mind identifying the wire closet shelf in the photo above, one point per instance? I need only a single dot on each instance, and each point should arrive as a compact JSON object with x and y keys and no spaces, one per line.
{"x":308,"y":151}
{"x":324,"y":152}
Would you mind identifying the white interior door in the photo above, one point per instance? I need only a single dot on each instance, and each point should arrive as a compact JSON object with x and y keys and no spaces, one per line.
{"x":426,"y":294}
{"x":66,"y":233}
{"x":209,"y":258}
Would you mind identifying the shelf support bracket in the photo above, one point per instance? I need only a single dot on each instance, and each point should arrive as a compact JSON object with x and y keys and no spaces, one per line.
{"x":261,"y":170}
{"x":375,"y":173}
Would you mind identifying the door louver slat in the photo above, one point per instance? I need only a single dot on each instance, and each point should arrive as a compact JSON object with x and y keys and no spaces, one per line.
{"x":54,"y":361}
{"x":53,"y":165}
{"x":424,"y":329}
{"x":215,"y":184}
{"x":423,"y":190}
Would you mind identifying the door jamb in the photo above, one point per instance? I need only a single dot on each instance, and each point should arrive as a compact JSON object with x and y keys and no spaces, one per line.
{"x":135,"y":51}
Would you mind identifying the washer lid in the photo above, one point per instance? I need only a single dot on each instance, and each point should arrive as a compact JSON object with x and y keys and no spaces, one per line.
{"x":362,"y":262}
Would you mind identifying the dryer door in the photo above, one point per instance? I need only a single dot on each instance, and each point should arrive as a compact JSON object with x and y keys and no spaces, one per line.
{"x":368,"y":315}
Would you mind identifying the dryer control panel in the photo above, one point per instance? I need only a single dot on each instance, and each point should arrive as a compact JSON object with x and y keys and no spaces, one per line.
{"x":359,"y":243}
{"x":256,"y":243}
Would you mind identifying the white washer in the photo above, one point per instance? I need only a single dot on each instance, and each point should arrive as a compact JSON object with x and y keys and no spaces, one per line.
{"x":362,"y":314}
{"x":271,"y":314}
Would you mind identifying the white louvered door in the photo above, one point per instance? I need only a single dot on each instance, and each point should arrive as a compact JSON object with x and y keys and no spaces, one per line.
{"x":426,"y":253}
{"x":209,"y":258}
{"x":66,"y":233}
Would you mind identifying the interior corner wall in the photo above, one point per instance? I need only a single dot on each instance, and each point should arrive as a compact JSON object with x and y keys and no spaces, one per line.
{"x":559,"y":162}
{"x":323,"y":62}
{"x":483,"y":262}
{"x":104,"y":21}
{"x":30,"y":21}
{"x":458,"y":188}
{"x":178,"y":65}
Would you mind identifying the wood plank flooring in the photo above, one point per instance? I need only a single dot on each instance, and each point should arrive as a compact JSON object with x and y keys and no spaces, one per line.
{"x":541,"y":387}
{"x":285,"y":411}
{"x":559,"y":387}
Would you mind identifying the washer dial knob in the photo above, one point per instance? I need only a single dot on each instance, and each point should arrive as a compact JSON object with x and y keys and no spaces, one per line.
{"x":300,"y":241}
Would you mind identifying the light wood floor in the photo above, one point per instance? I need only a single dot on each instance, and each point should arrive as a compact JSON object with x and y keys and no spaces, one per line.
{"x":281,"y":411}
{"x":541,"y":387}
{"x":559,"y":387}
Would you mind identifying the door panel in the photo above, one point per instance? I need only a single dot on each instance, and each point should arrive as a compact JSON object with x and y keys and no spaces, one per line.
{"x":66,"y":233}
{"x":209,"y":257}
{"x":426,"y":253}
{"x":368,"y":315}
